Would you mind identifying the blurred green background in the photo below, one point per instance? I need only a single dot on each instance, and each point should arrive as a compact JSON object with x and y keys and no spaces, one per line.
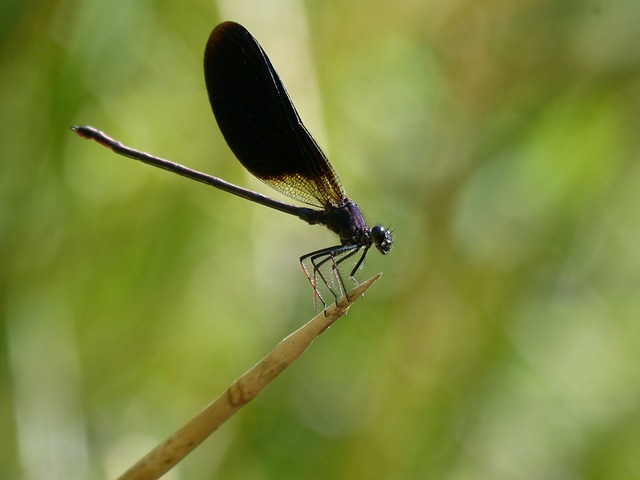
{"x":498,"y":139}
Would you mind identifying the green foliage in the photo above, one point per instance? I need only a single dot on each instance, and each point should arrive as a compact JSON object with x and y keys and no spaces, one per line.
{"x":500,"y":142}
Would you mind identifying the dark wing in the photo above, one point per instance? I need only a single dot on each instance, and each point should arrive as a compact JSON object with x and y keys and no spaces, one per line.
{"x":260,"y":123}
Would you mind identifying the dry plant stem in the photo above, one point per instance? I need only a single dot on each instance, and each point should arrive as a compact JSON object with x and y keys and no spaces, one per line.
{"x":246,"y":388}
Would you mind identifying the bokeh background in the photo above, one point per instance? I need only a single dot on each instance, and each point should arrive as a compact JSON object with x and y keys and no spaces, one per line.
{"x":499,"y":140}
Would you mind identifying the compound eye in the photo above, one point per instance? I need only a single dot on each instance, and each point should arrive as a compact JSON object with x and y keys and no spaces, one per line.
{"x":382,"y":239}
